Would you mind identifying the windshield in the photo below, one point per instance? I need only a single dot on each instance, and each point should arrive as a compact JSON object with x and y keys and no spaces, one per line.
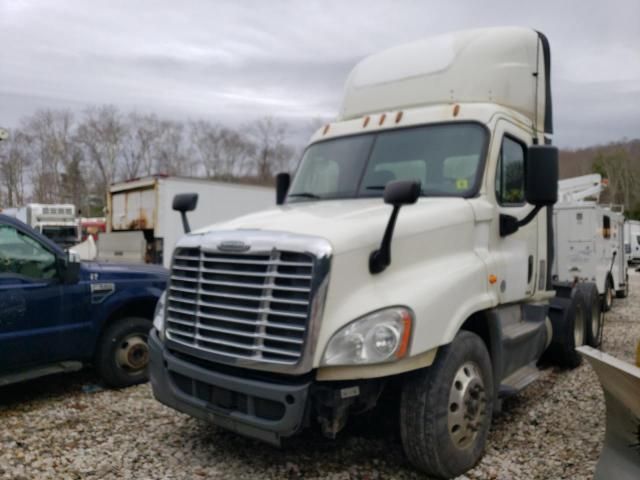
{"x":61,"y":234}
{"x":446,"y":160}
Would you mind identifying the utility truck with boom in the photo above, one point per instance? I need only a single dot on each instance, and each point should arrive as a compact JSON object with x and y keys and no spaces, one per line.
{"x":410,"y":256}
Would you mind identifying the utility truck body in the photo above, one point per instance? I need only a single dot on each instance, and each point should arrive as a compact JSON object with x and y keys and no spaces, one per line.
{"x":589,"y":239}
{"x":141,"y":226}
{"x":441,"y":294}
{"x":55,"y":221}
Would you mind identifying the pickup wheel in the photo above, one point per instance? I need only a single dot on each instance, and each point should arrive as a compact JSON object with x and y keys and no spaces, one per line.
{"x":445,"y":409}
{"x":123,"y":354}
{"x":592,"y":313}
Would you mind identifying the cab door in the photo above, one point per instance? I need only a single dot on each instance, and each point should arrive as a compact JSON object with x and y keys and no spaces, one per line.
{"x":30,"y":298}
{"x":518,"y":252}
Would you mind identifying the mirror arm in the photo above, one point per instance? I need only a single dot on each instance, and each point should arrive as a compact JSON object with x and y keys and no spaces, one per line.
{"x":185,"y":222}
{"x":510,"y":224}
{"x":380,"y":259}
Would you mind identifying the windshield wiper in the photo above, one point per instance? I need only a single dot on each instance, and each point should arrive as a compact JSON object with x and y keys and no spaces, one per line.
{"x":304,"y":194}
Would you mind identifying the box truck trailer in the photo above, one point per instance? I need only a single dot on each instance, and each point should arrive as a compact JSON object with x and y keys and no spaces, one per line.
{"x":410,"y":256}
{"x":142,"y":227}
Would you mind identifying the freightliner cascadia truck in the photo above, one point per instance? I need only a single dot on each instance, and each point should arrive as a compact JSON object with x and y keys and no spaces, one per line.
{"x":409,"y":255}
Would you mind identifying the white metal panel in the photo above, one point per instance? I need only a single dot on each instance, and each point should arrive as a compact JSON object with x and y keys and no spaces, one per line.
{"x":133,"y":210}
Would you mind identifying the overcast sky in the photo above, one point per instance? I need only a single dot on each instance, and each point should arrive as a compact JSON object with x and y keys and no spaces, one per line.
{"x":234,"y":61}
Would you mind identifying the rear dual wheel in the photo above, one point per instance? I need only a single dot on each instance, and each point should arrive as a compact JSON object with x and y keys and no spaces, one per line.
{"x":445,"y":409}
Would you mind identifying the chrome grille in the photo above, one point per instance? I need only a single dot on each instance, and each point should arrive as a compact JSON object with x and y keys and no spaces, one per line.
{"x":253,"y":306}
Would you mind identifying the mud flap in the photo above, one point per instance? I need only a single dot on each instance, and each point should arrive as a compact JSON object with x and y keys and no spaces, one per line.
{"x":620,"y":381}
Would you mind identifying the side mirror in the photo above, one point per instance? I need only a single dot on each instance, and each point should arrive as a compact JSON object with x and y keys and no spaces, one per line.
{"x":541,"y":182}
{"x":402,"y":192}
{"x":71,"y":268}
{"x":183,"y":203}
{"x":540,"y":186}
{"x":283,"y":181}
{"x":398,"y":193}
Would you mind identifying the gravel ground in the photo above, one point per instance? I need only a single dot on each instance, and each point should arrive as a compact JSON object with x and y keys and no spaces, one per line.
{"x":63,"y":428}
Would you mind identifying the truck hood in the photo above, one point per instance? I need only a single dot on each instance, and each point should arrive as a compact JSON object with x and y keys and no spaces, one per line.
{"x":350,"y":224}
{"x":125,"y":271}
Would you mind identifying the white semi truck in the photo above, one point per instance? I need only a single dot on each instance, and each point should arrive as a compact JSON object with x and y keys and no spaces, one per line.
{"x":410,"y":254}
{"x":55,"y":221}
{"x":141,"y":227}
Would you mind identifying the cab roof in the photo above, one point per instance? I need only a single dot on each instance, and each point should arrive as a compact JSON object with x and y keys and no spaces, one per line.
{"x":507,"y":66}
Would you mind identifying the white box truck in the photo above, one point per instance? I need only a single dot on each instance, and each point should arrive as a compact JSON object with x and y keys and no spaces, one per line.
{"x":409,"y":257}
{"x":55,"y":221}
{"x":632,"y":240}
{"x":142,"y":227}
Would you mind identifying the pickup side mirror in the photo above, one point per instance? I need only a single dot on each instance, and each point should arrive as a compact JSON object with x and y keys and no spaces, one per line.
{"x":398,"y":193}
{"x":183,"y":203}
{"x":541,"y":182}
{"x":283,"y":181}
{"x":70,"y":269}
{"x":540,"y":187}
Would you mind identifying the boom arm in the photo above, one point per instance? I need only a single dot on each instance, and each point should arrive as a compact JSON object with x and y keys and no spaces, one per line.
{"x":579,"y":188}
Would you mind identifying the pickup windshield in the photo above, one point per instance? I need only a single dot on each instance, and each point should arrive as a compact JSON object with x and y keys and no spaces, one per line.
{"x":446,"y":159}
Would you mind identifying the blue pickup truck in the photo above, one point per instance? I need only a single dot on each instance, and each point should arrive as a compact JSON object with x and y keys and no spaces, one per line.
{"x":58,"y":314}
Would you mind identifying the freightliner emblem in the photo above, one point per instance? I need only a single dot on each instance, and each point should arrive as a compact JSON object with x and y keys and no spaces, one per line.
{"x":233,"y":246}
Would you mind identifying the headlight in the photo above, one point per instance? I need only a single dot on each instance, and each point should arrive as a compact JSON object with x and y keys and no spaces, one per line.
{"x":158,"y":316}
{"x":382,"y":336}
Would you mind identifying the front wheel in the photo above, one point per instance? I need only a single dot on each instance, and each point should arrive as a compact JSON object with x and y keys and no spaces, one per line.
{"x":445,"y":409}
{"x":123,"y":354}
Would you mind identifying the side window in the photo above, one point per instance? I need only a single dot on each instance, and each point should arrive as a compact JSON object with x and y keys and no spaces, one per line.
{"x":23,"y":256}
{"x":606,"y":227}
{"x":510,"y":173}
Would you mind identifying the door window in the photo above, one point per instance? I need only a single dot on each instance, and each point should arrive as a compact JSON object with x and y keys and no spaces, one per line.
{"x":510,"y":173}
{"x":23,"y":256}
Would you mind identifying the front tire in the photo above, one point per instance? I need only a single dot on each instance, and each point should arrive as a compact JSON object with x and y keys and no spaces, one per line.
{"x":592,"y":313}
{"x":445,"y":409}
{"x":122,"y":358}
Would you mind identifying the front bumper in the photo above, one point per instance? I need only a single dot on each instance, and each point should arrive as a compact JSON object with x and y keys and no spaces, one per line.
{"x":267,"y":411}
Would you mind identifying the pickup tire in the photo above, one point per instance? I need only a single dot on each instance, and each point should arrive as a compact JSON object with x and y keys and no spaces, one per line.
{"x":568,"y":322}
{"x":592,"y":314}
{"x":445,"y":409}
{"x":122,"y":357}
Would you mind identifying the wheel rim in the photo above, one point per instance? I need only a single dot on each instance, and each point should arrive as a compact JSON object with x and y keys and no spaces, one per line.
{"x":133,"y":353}
{"x":467,"y":405}
{"x":578,"y":326}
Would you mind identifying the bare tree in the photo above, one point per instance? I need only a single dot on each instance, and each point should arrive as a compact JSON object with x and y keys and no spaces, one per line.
{"x":143,"y":132}
{"x":51,"y":139}
{"x":14,"y":165}
{"x":101,"y":135}
{"x":172,"y":150}
{"x":271,"y":152}
{"x":207,"y":140}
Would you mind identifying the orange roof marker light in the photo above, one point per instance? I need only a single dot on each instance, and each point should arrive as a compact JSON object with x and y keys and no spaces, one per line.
{"x":456,"y":110}
{"x":398,"y":117}
{"x":326,"y":129}
{"x":366,"y":121}
{"x":382,"y":117}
